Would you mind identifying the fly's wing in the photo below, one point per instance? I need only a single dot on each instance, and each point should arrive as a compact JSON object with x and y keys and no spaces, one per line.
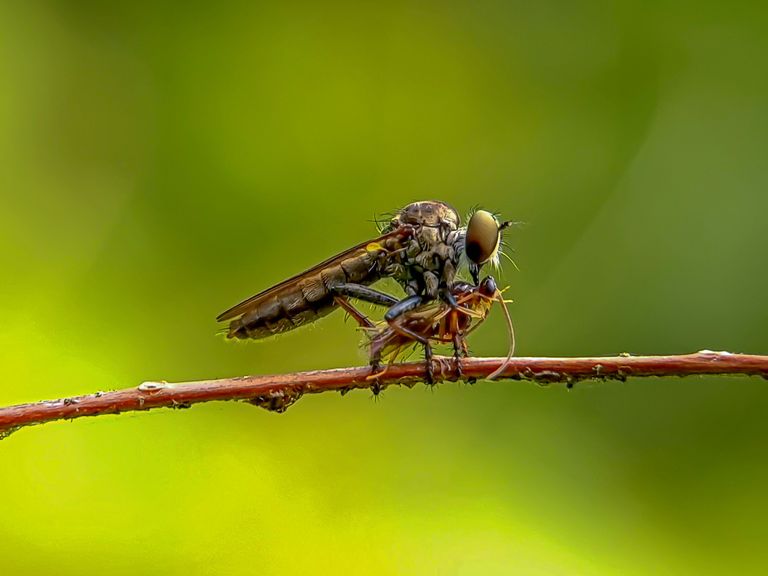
{"x":363,"y":248}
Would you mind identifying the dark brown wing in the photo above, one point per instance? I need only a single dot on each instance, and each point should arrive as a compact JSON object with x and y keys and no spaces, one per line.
{"x":364,"y":247}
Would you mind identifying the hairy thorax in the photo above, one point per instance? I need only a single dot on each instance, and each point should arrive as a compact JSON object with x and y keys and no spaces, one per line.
{"x":432,"y":255}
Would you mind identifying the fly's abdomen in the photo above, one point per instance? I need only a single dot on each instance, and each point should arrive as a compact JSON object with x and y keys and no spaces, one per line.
{"x":296,"y":305}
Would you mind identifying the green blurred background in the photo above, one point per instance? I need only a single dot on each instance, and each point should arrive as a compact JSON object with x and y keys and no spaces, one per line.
{"x":162,"y":161}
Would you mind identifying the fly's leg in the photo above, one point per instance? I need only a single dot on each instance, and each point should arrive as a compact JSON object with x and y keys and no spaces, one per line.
{"x":449,"y":298}
{"x":392,"y":317}
{"x":430,"y":376}
{"x":458,"y":348}
{"x":342,"y":294}
{"x":365,"y":294}
{"x":457,"y":337}
{"x":358,"y":316}
{"x":376,"y":368}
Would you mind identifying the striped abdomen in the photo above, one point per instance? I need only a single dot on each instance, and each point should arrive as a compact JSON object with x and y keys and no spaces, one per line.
{"x":302,"y":299}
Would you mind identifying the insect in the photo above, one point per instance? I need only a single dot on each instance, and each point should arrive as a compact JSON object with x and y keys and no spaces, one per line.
{"x":438,"y":322}
{"x":420,"y":247}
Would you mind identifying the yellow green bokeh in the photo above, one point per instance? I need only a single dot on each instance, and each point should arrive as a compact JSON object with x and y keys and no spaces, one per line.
{"x":162,"y":161}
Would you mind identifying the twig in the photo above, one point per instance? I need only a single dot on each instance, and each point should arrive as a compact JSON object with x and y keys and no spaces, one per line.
{"x":278,"y":392}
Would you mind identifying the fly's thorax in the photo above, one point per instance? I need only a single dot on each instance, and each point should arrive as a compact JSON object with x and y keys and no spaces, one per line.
{"x":426,"y":269}
{"x":427,"y":213}
{"x":431,"y":255}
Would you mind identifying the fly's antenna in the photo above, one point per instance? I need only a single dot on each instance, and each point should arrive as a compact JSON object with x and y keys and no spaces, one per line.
{"x":510,"y":333}
{"x":509,"y":223}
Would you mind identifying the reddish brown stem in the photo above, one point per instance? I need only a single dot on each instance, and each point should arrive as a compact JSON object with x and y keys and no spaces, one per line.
{"x":277,"y":392}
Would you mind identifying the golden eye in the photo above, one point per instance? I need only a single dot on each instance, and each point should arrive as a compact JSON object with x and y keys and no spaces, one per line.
{"x":482,"y":240}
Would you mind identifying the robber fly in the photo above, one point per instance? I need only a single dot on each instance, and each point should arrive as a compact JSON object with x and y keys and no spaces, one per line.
{"x":420,"y":248}
{"x":438,"y":322}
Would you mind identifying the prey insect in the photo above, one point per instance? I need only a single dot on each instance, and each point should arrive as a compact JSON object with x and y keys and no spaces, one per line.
{"x":420,"y":248}
{"x":438,"y":323}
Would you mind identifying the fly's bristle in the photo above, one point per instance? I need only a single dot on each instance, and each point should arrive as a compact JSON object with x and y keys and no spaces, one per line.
{"x":472,"y":209}
{"x":508,"y":257}
{"x":224,"y":331}
{"x":380,"y":223}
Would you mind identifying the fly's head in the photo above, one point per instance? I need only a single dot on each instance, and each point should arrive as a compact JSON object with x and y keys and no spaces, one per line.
{"x":482,"y":241}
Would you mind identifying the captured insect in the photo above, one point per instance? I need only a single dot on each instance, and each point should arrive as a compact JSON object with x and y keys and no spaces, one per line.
{"x":438,"y":322}
{"x":420,"y":247}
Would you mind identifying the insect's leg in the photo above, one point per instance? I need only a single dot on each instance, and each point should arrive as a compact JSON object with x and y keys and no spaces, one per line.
{"x":458,"y":349}
{"x":375,"y":350}
{"x":360,"y":292}
{"x":457,"y":337}
{"x":359,"y":317}
{"x":375,"y":361}
{"x":430,"y":376}
{"x":402,"y":307}
{"x":342,"y":293}
{"x":449,"y":298}
{"x":364,"y":293}
{"x":392,"y":317}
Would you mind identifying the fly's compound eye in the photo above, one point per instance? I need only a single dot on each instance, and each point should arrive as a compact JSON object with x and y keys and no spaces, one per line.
{"x":482,"y":239}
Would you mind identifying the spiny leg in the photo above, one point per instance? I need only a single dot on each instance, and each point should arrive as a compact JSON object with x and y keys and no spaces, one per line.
{"x":458,"y":352}
{"x":376,"y":368}
{"x":358,"y":316}
{"x":342,"y":294}
{"x":364,"y":293}
{"x":456,"y":335}
{"x":449,"y":298}
{"x":393,"y":317}
{"x":430,"y":376}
